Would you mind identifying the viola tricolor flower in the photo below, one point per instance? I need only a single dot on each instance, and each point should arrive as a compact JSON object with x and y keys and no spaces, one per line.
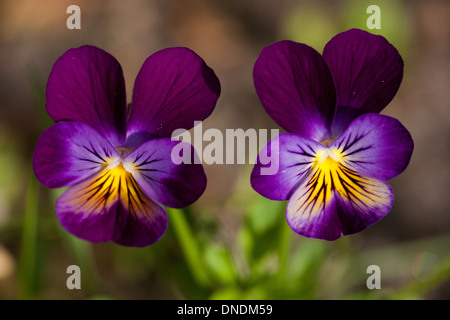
{"x":338,"y":150}
{"x":117,"y":160}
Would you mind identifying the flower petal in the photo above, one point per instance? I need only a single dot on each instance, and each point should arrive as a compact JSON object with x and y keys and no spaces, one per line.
{"x":111,"y":207}
{"x":87,"y":85}
{"x":144,"y":227}
{"x":336,"y":200}
{"x":375,"y":145}
{"x":173,"y":185}
{"x":69,"y":152}
{"x":367,"y":71}
{"x":283,"y":165}
{"x":296,"y":89}
{"x":174,"y":88}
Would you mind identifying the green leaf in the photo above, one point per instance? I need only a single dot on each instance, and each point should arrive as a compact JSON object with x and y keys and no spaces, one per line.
{"x":228,"y":293}
{"x":304,"y":268}
{"x":189,"y":245}
{"x":264,"y":214}
{"x":264,"y":220}
{"x":220,"y":264}
{"x":246,"y":243}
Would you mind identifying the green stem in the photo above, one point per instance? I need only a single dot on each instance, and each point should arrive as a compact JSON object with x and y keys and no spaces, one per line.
{"x":189,"y":245}
{"x":27,"y":256}
{"x":285,"y":248}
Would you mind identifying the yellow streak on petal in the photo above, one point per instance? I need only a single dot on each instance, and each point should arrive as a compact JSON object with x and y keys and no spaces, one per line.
{"x":330,"y":177}
{"x":102,"y":192}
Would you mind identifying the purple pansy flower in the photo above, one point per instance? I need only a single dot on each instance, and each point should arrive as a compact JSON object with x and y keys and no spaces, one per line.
{"x":117,"y":161}
{"x":338,"y":150}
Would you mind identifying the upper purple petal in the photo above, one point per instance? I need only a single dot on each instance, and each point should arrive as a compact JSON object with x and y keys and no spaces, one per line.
{"x":296,"y":89}
{"x":69,"y":152}
{"x":173,"y":89}
{"x":283,"y":165}
{"x":367,"y":71}
{"x":86,"y":84}
{"x":161,"y":178}
{"x":376,"y":145}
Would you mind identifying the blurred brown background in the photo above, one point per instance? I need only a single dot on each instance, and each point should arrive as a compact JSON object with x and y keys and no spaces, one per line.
{"x":229,"y":35}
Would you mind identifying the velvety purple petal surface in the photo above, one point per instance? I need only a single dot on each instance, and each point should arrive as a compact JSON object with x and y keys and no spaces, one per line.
{"x":93,"y":226}
{"x":296,"y":89}
{"x":376,"y":145}
{"x":69,"y":152}
{"x":144,"y":228}
{"x":173,"y":89}
{"x":111,"y":207}
{"x":283,"y":165}
{"x":367,"y":71}
{"x":337,"y":201}
{"x":86,"y":84}
{"x":162,"y":177}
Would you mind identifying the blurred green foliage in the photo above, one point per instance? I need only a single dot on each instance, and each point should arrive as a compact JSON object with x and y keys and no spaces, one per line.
{"x":266,"y":260}
{"x":315,"y":23}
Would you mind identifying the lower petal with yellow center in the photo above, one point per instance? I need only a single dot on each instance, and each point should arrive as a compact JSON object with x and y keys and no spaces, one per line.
{"x":334,"y":199}
{"x":108,"y":206}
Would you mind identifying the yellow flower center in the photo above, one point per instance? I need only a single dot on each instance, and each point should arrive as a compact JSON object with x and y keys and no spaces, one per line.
{"x":328,"y":176}
{"x":115,"y":183}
